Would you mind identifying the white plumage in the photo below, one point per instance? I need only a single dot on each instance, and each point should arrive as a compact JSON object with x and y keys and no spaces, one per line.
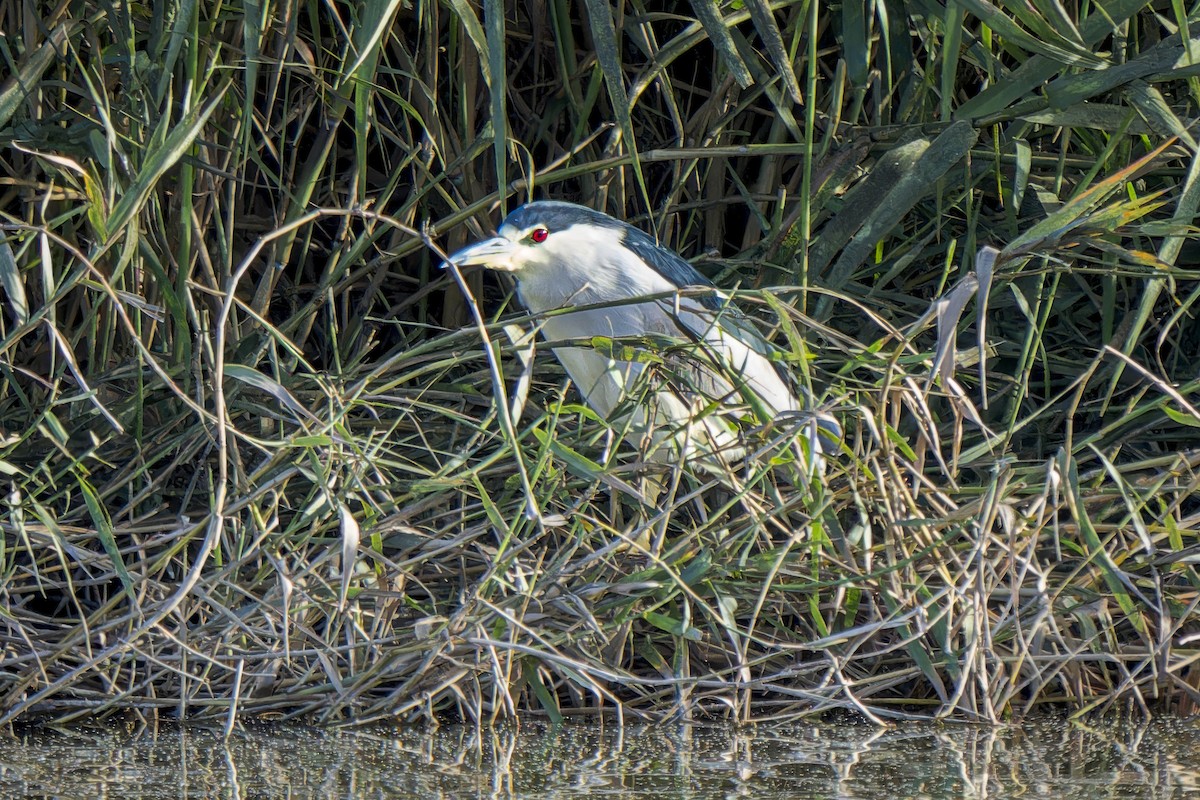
{"x":565,"y":256}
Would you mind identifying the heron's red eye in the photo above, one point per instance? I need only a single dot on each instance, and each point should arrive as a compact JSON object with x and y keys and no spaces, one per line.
{"x":539,"y":235}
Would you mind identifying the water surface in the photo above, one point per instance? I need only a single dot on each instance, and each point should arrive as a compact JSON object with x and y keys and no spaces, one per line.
{"x":1044,"y":759}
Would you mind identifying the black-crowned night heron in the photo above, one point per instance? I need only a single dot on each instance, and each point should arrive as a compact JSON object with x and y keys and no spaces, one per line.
{"x":624,"y":286}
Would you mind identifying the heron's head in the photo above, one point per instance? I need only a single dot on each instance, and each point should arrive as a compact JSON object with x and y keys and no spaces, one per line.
{"x":542,"y":234}
{"x":559,"y":251}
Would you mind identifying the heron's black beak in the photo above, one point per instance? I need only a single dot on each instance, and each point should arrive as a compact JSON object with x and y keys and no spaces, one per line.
{"x":494,"y":253}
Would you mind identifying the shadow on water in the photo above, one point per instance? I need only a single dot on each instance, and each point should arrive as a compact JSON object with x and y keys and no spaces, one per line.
{"x":1049,"y":758}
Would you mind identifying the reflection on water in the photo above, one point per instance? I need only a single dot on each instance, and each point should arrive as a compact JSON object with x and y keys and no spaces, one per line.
{"x":1046,"y":759}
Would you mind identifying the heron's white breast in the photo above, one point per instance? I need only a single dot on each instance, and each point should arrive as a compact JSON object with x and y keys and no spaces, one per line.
{"x":600,"y":379}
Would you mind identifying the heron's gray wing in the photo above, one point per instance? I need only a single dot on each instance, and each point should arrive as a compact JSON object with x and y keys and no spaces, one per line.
{"x":710,"y":317}
{"x":679,"y":272}
{"x":744,"y":355}
{"x":749,"y":360}
{"x":668,"y":263}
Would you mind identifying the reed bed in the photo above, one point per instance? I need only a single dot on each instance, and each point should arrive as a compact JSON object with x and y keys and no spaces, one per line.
{"x":253,"y":440}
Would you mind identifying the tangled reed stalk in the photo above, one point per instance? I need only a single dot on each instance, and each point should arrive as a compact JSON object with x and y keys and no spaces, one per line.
{"x":250,"y":441}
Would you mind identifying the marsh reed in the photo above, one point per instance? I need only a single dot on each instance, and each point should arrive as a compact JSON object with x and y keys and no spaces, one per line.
{"x":251,"y":455}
